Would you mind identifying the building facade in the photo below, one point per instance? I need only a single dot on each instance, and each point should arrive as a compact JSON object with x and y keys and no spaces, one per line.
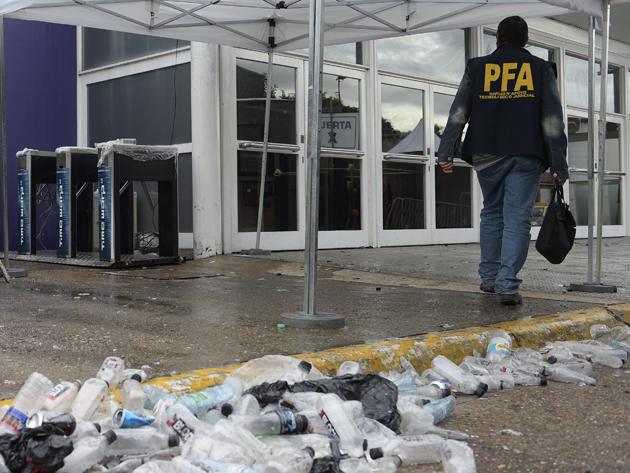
{"x":385,"y":104}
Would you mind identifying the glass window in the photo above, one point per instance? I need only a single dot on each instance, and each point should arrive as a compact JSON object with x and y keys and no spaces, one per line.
{"x":453,"y":207}
{"x":348,"y":52}
{"x":251,"y":91}
{"x":576,"y":84}
{"x":280,"y":197}
{"x":402,"y":122}
{"x":102,"y":47}
{"x":403,"y":196}
{"x":440,"y":55}
{"x":490,"y":45}
{"x":152,"y":107}
{"x":339,"y":194}
{"x":340,"y":112}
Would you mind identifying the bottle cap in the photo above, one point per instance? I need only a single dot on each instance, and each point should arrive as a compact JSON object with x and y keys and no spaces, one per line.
{"x":305,"y":365}
{"x":137,"y":377}
{"x":397,"y":460}
{"x":97,"y":427}
{"x":310,"y":451}
{"x":552,"y":360}
{"x":543,"y":380}
{"x":481,"y":389}
{"x":365,"y":444}
{"x":426,"y":401}
{"x":301,"y":423}
{"x":376,"y":453}
{"x":111,"y":436}
{"x":173,"y":440}
{"x":227,"y":409}
{"x":78,"y":383}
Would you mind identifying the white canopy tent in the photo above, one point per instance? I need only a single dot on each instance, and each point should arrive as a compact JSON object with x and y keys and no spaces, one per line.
{"x":269,"y":25}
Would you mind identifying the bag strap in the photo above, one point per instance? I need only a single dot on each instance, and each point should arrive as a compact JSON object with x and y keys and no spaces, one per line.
{"x":558,"y":193}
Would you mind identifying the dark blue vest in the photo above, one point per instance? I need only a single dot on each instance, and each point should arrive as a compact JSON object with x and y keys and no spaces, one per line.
{"x":505,"y":116}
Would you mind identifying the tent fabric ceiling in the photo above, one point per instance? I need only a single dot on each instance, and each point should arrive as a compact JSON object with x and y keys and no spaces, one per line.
{"x":245,"y":23}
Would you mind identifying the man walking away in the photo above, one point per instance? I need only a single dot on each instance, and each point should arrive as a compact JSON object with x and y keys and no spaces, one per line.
{"x":511,"y":103}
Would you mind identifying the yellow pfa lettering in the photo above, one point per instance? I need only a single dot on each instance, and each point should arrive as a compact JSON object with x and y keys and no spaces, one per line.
{"x":524,"y":78}
{"x":507,"y":74}
{"x":493,"y":71}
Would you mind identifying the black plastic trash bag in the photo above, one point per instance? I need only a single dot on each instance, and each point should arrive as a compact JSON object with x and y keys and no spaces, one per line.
{"x":377,"y":394}
{"x":41,"y":449}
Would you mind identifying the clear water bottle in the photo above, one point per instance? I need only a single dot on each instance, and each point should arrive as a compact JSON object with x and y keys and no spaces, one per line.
{"x":340,"y":424}
{"x":153,"y":395}
{"x":412,"y":450}
{"x":457,"y":457}
{"x":177,"y":419}
{"x":349,"y":367}
{"x":299,"y":461}
{"x":436,"y":389}
{"x":85,"y":428}
{"x":111,"y":371}
{"x":132,"y":395}
{"x":563,"y":375}
{"x":281,"y":422}
{"x":472,"y":368}
{"x":612,"y":360}
{"x":440,"y":409}
{"x":460,"y":380}
{"x":143,"y":440}
{"x":87,"y":452}
{"x":206,"y":399}
{"x":500,"y":346}
{"x":405,"y":383}
{"x":61,"y":397}
{"x":581,"y":366}
{"x":88,"y":399}
{"x":247,"y":405}
{"x":29,"y":399}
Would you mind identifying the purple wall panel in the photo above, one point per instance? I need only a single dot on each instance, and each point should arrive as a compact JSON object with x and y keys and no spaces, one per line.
{"x":41,"y":100}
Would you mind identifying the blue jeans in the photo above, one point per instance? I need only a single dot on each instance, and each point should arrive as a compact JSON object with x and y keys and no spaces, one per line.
{"x":509,"y":190}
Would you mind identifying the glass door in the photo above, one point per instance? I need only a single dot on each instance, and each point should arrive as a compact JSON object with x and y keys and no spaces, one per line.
{"x":283,"y":196}
{"x":405,"y":177}
{"x":614,"y":176}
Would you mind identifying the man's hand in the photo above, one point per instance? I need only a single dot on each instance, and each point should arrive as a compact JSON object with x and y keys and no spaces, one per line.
{"x":561,"y":182}
{"x":447,"y":167}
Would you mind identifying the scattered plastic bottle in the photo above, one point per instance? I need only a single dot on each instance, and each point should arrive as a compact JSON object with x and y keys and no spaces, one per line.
{"x":615,"y":345}
{"x":179,"y":420}
{"x":471,"y":368}
{"x":299,"y":461}
{"x":85,"y":428}
{"x":87,"y":452}
{"x":29,"y":399}
{"x":436,"y":389}
{"x":412,"y":450}
{"x":143,"y":440}
{"x":581,"y":366}
{"x":132,"y":395}
{"x":224,"y":467}
{"x":405,"y":383}
{"x":153,"y":395}
{"x":457,"y":457}
{"x":341,"y":425}
{"x":281,"y":422}
{"x":247,"y":405}
{"x":89,"y":397}
{"x":611,"y":360}
{"x":460,"y":380}
{"x":500,"y":346}
{"x":298,"y":374}
{"x":206,"y":399}
{"x":349,"y":367}
{"x":563,"y":375}
{"x":61,"y":397}
{"x":111,"y":371}
{"x":440,"y":409}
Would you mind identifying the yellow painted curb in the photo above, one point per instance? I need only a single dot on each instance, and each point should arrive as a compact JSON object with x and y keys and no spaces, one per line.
{"x":420,"y":350}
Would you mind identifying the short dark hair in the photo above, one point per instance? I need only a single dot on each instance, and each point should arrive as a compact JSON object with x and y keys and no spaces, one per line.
{"x":513,"y":30}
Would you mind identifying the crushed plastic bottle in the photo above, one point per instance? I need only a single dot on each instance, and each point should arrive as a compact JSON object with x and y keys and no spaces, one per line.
{"x":341,"y":425}
{"x":61,"y":397}
{"x":412,"y":450}
{"x":281,"y":422}
{"x":89,"y":397}
{"x":140,"y":441}
{"x":457,"y":457}
{"x":132,"y":395}
{"x":564,"y":375}
{"x":440,"y":409}
{"x":87,"y":452}
{"x":291,"y":462}
{"x":29,"y":399}
{"x":111,"y":371}
{"x":460,"y":380}
{"x":206,"y":399}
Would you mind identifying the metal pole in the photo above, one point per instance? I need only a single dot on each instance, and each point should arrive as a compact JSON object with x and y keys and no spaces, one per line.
{"x":591,"y":144}
{"x":602,"y":139}
{"x":309,"y":318}
{"x":3,"y":118}
{"x":263,"y":170}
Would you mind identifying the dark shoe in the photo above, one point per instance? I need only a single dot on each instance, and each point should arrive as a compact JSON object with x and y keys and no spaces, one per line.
{"x":485,"y":288}
{"x":510,"y":299}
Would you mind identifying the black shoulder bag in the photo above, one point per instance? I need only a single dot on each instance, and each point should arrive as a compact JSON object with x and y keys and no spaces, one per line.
{"x":557,"y":231}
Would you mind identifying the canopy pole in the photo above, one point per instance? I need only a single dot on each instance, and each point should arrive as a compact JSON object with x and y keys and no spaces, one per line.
{"x":596,"y":286}
{"x":310,"y":318}
{"x":602,"y":146}
{"x":263,"y":169}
